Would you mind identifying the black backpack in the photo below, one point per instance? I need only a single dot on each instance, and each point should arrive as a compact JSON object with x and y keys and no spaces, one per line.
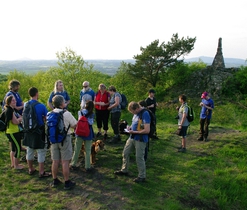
{"x":3,"y":124}
{"x":29,"y":117}
{"x":124,"y":102}
{"x":191,"y":114}
{"x":122,"y":125}
{"x":152,"y":122}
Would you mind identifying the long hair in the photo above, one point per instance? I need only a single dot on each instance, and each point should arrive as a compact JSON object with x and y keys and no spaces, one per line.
{"x":8,"y":100}
{"x":56,"y":84}
{"x":89,"y":107}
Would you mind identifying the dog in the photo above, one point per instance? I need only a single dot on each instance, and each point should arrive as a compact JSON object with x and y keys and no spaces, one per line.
{"x":95,"y":148}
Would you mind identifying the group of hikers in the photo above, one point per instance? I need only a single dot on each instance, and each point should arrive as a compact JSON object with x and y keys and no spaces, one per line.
{"x":102,"y":105}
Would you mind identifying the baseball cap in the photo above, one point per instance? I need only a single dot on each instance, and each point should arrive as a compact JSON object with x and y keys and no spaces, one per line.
{"x":204,"y":95}
{"x":151,"y":91}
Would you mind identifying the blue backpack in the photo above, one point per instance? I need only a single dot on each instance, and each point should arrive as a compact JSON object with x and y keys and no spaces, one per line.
{"x":56,"y":131}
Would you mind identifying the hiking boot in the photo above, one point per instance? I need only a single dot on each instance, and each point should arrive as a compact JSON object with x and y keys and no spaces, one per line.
{"x":182,"y":150}
{"x":55,"y":183}
{"x":200,"y":139}
{"x":98,"y":134}
{"x":121,"y":173}
{"x":139,"y":179}
{"x":69,"y":185}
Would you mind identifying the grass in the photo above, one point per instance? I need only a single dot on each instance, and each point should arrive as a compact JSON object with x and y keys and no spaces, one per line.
{"x":210,"y":175}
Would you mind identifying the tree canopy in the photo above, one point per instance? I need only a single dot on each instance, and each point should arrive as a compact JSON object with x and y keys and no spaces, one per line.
{"x":156,"y":58}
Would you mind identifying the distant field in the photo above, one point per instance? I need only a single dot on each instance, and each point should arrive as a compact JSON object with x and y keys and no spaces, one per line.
{"x":105,"y":66}
{"x":32,"y":66}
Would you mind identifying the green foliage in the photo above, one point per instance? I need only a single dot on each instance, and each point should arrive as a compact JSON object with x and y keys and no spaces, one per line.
{"x":236,"y":86}
{"x":155,"y":59}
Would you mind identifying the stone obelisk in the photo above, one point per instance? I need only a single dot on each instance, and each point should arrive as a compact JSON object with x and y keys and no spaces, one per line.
{"x":219,"y":59}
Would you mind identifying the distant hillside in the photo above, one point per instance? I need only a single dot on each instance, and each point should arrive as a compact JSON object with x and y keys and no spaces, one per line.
{"x":105,"y":66}
{"x":229,"y":62}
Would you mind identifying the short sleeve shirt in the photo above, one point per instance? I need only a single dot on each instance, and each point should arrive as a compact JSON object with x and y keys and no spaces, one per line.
{"x":183,"y":109}
{"x":207,"y":113}
{"x":146,"y":119}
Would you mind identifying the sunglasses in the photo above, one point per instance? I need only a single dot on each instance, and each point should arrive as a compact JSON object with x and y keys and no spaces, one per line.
{"x":85,"y":86}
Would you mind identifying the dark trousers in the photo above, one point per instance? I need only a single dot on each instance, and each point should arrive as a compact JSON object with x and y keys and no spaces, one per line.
{"x":102,"y":117}
{"x":204,"y":123}
{"x":115,"y":117}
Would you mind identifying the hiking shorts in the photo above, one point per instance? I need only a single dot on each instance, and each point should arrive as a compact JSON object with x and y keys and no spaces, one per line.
{"x":40,"y":152}
{"x":63,"y":151}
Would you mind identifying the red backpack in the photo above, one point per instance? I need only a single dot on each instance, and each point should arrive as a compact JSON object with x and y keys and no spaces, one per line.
{"x":82,"y":128}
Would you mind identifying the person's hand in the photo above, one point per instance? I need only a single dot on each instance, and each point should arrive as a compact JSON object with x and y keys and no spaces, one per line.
{"x":201,"y":104}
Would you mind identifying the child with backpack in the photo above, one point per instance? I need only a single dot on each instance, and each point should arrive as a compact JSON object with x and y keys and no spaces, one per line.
{"x":87,"y":140}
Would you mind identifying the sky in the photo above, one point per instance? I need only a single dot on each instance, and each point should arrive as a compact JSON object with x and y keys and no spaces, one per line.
{"x":116,"y":29}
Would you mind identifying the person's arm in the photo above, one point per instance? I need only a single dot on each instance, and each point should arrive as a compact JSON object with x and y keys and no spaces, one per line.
{"x":117,"y":99}
{"x":67,"y":103}
{"x":207,"y":107}
{"x":183,"y":119}
{"x":145,"y":130}
{"x":16,"y":120}
{"x":50,"y":105}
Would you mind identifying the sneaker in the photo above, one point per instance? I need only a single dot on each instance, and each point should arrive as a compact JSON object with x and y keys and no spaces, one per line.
{"x":55,"y":183}
{"x":121,"y":173}
{"x":200,"y":139}
{"x":182,"y":150}
{"x":69,"y":185}
{"x":138,"y":180}
{"x":98,"y":134}
{"x":105,"y":136}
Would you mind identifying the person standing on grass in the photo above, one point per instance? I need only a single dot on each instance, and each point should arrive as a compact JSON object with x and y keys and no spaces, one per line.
{"x":59,"y":90}
{"x":101,"y":102}
{"x":12,"y":132}
{"x":14,"y":86}
{"x":183,"y":122}
{"x":62,"y":152}
{"x":38,"y":137}
{"x":88,"y":113}
{"x":138,"y":139}
{"x":115,"y":109}
{"x":86,"y":94}
{"x":151,"y":105}
{"x":207,"y":105}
